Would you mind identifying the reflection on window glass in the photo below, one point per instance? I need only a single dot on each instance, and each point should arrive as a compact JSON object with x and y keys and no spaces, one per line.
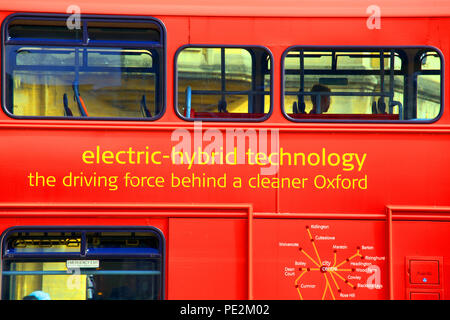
{"x":429,"y":86}
{"x":360,"y":85}
{"x":109,"y":265}
{"x":428,"y":96}
{"x":367,"y":60}
{"x":112,"y":83}
{"x":112,"y":280}
{"x":120,"y":80}
{"x":430,"y":60}
{"x":223,"y":83}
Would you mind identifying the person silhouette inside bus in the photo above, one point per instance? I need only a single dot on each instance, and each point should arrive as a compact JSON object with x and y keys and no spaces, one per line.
{"x":324,"y":99}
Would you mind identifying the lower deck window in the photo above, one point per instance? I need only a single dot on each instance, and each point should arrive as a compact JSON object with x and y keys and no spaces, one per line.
{"x":82,"y":265}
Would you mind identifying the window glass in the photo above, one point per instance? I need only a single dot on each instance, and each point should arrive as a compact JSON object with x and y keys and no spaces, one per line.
{"x":428,"y":86}
{"x":44,"y":30}
{"x":92,"y":265}
{"x":119,"y":77}
{"x":39,"y":243}
{"x":430,"y":60}
{"x":428,"y":96}
{"x":367,"y":60}
{"x":223,"y":83}
{"x":362,"y":85}
{"x":130,"y":32}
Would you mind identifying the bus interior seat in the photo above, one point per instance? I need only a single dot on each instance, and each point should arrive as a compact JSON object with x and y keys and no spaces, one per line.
{"x":67,"y":111}
{"x":144,"y":110}
{"x":381,"y":108}
{"x":298,"y":109}
{"x":79,"y":100}
{"x":374,"y":107}
{"x":222,"y":105}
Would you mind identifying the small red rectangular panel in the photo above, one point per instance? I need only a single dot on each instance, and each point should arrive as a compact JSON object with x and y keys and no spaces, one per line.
{"x":424,"y":271}
{"x":207,"y":259}
{"x":424,"y":296}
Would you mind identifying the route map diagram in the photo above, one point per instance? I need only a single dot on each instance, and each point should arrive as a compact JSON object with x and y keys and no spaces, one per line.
{"x":314,"y":259}
{"x":332,"y":271}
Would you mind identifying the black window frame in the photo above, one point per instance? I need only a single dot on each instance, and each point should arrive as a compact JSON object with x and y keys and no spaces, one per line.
{"x":361,"y":49}
{"x":218,"y":46}
{"x":69,"y":255}
{"x":85,"y":18}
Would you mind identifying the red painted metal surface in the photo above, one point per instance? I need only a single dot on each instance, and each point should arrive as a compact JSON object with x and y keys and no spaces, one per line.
{"x":242,"y":243}
{"x":264,"y":8}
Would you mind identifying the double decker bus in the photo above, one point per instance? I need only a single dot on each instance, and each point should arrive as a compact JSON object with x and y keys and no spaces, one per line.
{"x":224,"y":150}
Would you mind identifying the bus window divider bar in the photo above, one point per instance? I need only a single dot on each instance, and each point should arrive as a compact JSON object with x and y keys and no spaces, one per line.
{"x":351,"y":94}
{"x":149,"y":71}
{"x":82,"y":272}
{"x":341,"y":72}
{"x":217,"y":92}
{"x":308,"y":55}
{"x":91,"y":43}
{"x":62,"y":50}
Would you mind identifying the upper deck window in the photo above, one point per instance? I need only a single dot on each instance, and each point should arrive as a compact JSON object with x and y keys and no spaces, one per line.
{"x":223,"y":84}
{"x":109,"y":68}
{"x":354,"y":84}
